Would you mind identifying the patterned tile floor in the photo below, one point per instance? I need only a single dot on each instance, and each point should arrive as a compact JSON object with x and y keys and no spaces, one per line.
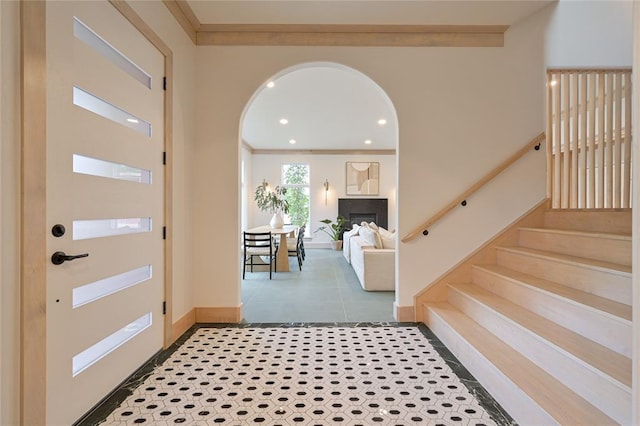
{"x":305,"y":375}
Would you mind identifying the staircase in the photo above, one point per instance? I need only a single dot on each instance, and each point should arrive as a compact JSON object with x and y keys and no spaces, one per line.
{"x":547,"y":327}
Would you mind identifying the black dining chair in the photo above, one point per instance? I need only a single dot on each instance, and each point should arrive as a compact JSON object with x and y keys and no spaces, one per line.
{"x":302,"y":231}
{"x":258,"y":244}
{"x":294,"y":246}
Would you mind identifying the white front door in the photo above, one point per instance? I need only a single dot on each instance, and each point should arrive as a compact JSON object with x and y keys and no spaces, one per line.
{"x":105,"y":195}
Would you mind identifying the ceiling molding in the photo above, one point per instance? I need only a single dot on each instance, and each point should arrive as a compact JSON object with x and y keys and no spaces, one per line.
{"x":247,"y":147}
{"x":333,"y":34}
{"x":184,"y":15}
{"x":321,"y":151}
{"x":351,"y":35}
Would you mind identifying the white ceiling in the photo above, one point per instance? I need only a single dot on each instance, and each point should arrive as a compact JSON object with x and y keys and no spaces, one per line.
{"x":415,"y":12}
{"x":327,"y":107}
{"x":337,"y":108}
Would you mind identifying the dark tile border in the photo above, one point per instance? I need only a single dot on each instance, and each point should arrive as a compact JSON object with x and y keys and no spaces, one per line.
{"x":111,"y":402}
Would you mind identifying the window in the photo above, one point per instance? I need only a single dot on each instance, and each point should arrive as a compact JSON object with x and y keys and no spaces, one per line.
{"x":295,"y":177}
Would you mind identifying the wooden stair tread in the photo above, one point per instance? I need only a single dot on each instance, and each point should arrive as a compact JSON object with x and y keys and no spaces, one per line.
{"x":572,"y":260}
{"x":614,"y":365}
{"x":622,"y":237}
{"x":560,"y":402}
{"x":615,"y":309}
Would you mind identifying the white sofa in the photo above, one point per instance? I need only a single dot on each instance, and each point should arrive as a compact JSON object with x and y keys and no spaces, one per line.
{"x":374,"y":267}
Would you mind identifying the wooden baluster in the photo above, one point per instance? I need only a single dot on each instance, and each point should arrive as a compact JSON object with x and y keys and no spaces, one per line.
{"x":573,"y":107}
{"x":583,"y":140}
{"x":591,"y":199}
{"x":626,"y":195}
{"x":566,"y":139}
{"x":609,"y":144}
{"x":601,"y":137}
{"x":617,"y":148}
{"x":550,"y":136}
{"x":557,"y":151}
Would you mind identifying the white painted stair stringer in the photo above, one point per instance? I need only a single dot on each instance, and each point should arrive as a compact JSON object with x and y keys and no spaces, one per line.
{"x":527,"y":392}
{"x":601,"y":320}
{"x":599,"y":381}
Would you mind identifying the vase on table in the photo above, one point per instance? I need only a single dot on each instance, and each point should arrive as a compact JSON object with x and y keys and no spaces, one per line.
{"x":277,"y":221}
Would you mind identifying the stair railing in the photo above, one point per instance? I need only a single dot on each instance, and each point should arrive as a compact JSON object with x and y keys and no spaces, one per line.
{"x":423,"y":229}
{"x":589,"y":130}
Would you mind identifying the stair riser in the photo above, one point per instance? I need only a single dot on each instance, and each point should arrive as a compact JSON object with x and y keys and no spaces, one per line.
{"x":610,"y":397}
{"x":611,"y":285}
{"x":614,"y":222}
{"x":598,"y":248}
{"x":511,"y":398}
{"x":611,"y":332}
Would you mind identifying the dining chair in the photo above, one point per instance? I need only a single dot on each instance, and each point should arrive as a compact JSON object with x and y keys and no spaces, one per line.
{"x":302,"y":231}
{"x":294,"y":246}
{"x":258,"y":244}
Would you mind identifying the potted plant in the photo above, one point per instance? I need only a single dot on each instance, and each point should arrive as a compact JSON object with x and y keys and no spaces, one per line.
{"x":272,"y":201}
{"x":334,"y":230}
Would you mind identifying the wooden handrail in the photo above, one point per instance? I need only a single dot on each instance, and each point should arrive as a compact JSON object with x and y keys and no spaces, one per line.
{"x":466,"y":194}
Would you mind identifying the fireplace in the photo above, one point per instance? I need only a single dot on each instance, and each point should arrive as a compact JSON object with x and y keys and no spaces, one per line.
{"x":357,"y":210}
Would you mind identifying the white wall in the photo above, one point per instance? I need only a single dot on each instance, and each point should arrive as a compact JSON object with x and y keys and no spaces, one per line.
{"x":330,"y":167}
{"x":589,"y":34}
{"x":162,"y":22}
{"x":460,"y":112}
{"x":246,"y":189}
{"x":9,"y":212}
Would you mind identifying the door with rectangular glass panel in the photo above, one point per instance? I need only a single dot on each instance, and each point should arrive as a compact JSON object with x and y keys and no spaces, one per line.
{"x":105,"y":195}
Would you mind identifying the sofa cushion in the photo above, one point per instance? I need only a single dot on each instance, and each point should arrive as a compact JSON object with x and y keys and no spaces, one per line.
{"x":388,"y":238}
{"x":370,"y":237}
{"x":346,"y":241}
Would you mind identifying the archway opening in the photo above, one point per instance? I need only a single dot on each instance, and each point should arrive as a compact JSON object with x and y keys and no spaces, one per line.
{"x":326,"y":122}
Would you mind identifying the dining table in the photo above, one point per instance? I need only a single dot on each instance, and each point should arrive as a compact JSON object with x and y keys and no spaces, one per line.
{"x":282,"y":257}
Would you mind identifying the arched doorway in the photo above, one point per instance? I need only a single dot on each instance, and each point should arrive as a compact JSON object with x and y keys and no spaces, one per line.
{"x":319,"y":117}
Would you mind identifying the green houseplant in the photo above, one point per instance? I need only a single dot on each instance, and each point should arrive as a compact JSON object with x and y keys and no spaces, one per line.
{"x":334,"y":230}
{"x":272,"y":201}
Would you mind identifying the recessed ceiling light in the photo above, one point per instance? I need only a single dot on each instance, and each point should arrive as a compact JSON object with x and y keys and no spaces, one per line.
{"x":368,"y":142}
{"x":270,"y":84}
{"x":283,"y":121}
{"x":132,"y":120}
{"x":382,"y":122}
{"x":292,"y":141}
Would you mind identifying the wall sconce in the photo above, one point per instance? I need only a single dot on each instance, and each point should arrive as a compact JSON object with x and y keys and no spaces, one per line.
{"x":326,"y":190}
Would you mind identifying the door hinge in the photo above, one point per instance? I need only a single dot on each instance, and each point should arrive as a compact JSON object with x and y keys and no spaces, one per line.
{"x":164,"y":158}
{"x":164,"y":308}
{"x":164,"y":232}
{"x":164,"y":83}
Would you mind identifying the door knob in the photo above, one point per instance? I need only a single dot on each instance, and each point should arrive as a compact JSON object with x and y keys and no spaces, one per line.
{"x":59,"y":257}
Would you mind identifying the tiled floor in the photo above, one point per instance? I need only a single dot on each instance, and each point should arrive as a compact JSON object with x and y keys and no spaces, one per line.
{"x":326,"y":290}
{"x":313,"y":349}
{"x":306,"y":375}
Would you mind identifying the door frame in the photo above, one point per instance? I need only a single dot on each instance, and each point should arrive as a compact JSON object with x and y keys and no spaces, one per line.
{"x":33,"y":232}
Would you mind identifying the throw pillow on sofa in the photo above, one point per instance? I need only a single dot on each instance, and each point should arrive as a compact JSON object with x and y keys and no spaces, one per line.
{"x":388,"y":238}
{"x":370,"y":237}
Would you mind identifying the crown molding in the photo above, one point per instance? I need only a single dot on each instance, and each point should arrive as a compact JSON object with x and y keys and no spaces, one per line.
{"x":184,"y":15}
{"x":333,"y":35}
{"x":351,"y":35}
{"x":322,"y":151}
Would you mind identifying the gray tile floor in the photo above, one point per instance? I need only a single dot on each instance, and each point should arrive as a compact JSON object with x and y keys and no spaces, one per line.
{"x":326,"y":290}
